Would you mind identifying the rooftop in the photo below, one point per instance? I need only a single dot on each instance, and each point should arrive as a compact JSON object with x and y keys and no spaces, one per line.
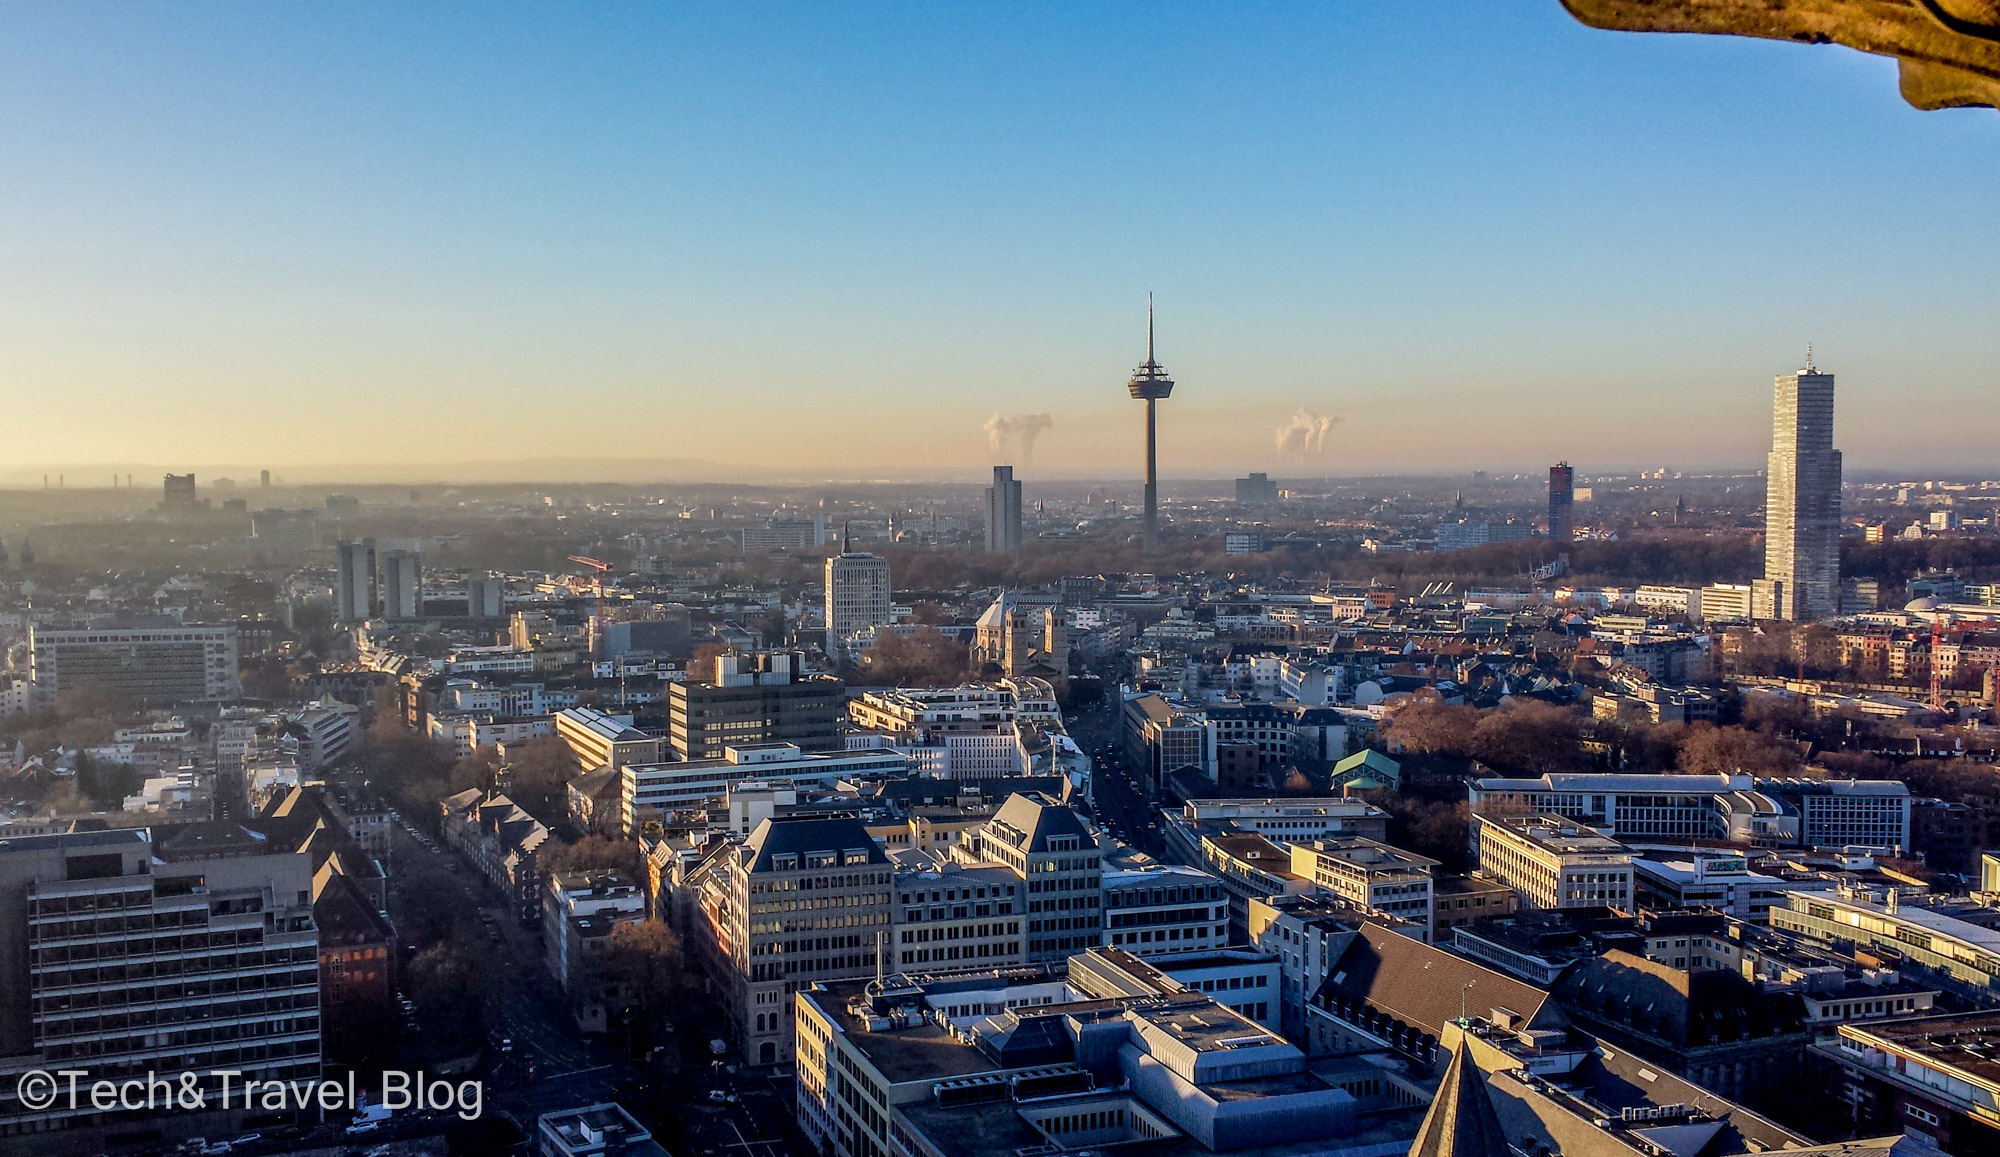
{"x":1966,"y":1043}
{"x":1557,"y":834}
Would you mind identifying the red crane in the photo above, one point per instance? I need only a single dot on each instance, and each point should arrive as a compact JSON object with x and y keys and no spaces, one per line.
{"x":1937,"y":663}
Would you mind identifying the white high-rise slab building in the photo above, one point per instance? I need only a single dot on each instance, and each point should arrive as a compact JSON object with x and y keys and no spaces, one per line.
{"x":1802,"y":505}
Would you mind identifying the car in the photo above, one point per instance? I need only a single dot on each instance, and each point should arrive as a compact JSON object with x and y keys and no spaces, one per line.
{"x":360,"y":1128}
{"x":717,"y":1097}
{"x":506,"y":1044}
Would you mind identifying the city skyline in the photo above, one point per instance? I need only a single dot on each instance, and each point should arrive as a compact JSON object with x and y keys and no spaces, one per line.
{"x":204,"y":247}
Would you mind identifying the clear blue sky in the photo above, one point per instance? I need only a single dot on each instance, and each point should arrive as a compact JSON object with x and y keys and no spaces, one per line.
{"x":843,"y":235}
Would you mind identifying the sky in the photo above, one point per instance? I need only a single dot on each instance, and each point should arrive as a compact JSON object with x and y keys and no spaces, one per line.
{"x":839,"y":238}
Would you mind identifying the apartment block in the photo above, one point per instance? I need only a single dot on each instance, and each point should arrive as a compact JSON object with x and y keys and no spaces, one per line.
{"x":157,"y":662}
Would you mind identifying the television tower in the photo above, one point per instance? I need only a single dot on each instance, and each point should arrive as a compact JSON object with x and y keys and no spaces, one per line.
{"x":1151,"y":383}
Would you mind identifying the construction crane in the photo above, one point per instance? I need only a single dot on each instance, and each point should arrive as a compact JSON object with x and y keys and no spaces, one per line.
{"x":1937,"y":663}
{"x":600,"y":566}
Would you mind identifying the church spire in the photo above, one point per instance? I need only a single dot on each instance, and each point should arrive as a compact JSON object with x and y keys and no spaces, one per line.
{"x":1461,"y":1121}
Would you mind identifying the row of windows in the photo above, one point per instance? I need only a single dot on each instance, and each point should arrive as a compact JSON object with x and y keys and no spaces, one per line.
{"x":1165,"y":935}
{"x":961,"y":932}
{"x":961,"y":952}
{"x":265,"y":970}
{"x":193,"y":1038}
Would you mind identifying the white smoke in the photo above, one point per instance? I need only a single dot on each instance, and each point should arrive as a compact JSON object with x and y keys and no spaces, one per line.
{"x":1303,"y":435}
{"x":1007,"y":435}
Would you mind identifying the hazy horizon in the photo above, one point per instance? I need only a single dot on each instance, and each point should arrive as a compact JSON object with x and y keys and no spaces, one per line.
{"x":842,"y":241}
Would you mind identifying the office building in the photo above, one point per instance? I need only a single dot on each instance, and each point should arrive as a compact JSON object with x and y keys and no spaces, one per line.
{"x":355,"y":589}
{"x":213,"y":963}
{"x":1812,"y":813}
{"x":1932,"y":1075}
{"x":1242,"y":980}
{"x":972,"y":731}
{"x":1052,"y":851}
{"x":1802,"y":503}
{"x":1284,"y":821}
{"x":1370,"y":875}
{"x":597,"y":740}
{"x":403,"y":584}
{"x":1700,"y":878}
{"x":1003,"y":512}
{"x":1562,"y":502}
{"x":648,"y":790}
{"x":150,"y":662}
{"x":857,"y":597}
{"x":801,"y":902}
{"x":1306,"y":934}
{"x":785,"y":534}
{"x":665,"y":632}
{"x":1164,"y":908}
{"x":1256,"y":488}
{"x":1151,"y":384}
{"x":959,"y":917}
{"x":1553,"y":862}
{"x":765,"y":698}
{"x":1940,"y":943}
{"x":1014,"y":1063}
{"x":179,"y":496}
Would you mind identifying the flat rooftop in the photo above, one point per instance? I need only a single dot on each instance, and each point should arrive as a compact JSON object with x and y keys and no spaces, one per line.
{"x":1966,"y":1042}
{"x":1558,"y":834}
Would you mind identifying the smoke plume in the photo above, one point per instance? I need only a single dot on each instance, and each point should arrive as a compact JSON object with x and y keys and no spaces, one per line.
{"x":1018,"y":433}
{"x":1304,"y":434}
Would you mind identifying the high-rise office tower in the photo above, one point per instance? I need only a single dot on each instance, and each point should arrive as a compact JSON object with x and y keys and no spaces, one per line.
{"x":1802,"y":502}
{"x":403,"y":584}
{"x":1562,"y":499}
{"x":857,"y":596}
{"x":354,"y":581}
{"x":1150,"y":383}
{"x":1003,"y":512}
{"x":126,"y":953}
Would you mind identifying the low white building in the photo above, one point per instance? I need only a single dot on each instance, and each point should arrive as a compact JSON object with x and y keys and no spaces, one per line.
{"x":652,"y":788}
{"x":1721,"y":880}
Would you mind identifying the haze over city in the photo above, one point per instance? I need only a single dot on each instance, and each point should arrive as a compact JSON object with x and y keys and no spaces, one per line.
{"x":1476,"y":234}
{"x":1121,"y":580}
